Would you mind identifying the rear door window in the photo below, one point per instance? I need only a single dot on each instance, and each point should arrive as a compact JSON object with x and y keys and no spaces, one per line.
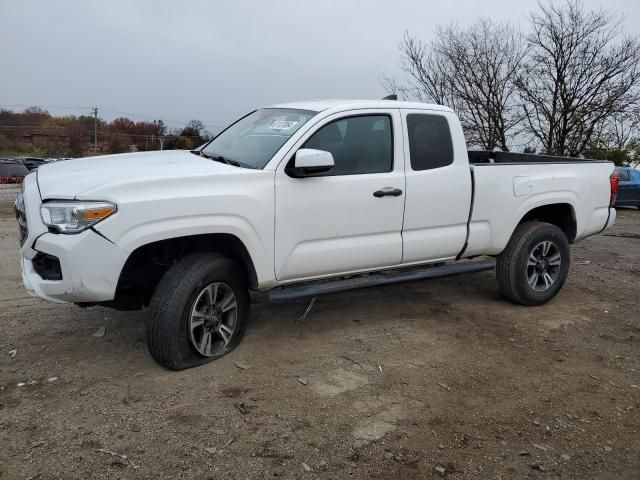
{"x":430,"y":144}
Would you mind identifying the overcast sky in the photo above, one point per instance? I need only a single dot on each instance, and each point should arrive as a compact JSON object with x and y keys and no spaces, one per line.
{"x":215,"y":60}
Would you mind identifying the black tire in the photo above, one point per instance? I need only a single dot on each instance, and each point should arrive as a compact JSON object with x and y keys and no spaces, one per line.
{"x":168,"y":334}
{"x":514,"y":273}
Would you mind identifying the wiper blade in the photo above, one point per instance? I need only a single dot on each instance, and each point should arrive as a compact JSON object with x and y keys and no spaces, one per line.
{"x":217,"y":158}
{"x":228,"y":161}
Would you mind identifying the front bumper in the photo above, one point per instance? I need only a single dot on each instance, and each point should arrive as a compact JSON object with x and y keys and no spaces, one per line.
{"x":90,"y":263}
{"x":90,"y":267}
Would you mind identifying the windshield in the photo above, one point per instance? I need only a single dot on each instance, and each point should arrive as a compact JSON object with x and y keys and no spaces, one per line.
{"x":254,"y":139}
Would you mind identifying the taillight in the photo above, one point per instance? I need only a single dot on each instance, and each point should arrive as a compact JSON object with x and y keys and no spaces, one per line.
{"x":614,"y":179}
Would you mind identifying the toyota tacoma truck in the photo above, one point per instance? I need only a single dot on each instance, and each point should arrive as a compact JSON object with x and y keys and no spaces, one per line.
{"x":300,"y":199}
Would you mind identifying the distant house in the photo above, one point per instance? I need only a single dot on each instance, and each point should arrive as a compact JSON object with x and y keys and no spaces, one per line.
{"x":36,"y":134}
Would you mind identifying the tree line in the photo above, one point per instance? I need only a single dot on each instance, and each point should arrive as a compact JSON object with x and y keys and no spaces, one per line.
{"x":35,"y":132}
{"x":566,"y":85}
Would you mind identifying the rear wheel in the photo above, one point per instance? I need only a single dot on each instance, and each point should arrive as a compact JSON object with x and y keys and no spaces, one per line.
{"x":533,"y":267}
{"x":198,"y":311}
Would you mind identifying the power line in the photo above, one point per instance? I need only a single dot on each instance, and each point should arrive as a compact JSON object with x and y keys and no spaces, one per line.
{"x":144,"y":135}
{"x":100,"y":132}
{"x":84,"y":107}
{"x":112,"y":110}
{"x":35,"y":126}
{"x":166,"y":120}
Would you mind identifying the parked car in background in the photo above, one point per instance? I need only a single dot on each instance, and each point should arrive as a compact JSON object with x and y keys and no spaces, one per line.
{"x":12,"y":171}
{"x":58,"y":159}
{"x":31,"y":162}
{"x":628,"y":187}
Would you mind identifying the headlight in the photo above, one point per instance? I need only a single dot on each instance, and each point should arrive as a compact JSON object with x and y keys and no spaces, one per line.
{"x":74,"y":217}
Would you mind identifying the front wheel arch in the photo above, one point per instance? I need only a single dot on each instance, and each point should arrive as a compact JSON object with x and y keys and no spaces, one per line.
{"x":146,"y":265}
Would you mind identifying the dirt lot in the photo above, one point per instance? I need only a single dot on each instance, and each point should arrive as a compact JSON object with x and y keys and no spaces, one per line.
{"x":424,"y":380}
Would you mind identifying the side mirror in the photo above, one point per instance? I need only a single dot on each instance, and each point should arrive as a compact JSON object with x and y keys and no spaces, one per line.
{"x":309,"y":162}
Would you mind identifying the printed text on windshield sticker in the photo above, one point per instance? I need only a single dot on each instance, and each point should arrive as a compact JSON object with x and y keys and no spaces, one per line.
{"x":282,"y":125}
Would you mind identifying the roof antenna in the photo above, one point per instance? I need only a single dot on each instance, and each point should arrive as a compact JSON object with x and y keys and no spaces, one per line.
{"x":391,"y":97}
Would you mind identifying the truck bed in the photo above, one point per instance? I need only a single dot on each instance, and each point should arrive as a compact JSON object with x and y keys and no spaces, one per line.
{"x":508,"y":185}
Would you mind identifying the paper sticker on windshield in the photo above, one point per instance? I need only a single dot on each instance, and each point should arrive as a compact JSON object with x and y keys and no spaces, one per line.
{"x":282,"y":125}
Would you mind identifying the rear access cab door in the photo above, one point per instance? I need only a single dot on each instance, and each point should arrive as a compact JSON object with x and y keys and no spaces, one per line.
{"x":343,"y":221}
{"x":439,"y":186}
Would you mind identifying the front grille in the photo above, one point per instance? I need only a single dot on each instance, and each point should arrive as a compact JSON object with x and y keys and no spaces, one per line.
{"x":47,"y":266}
{"x":21,"y":217}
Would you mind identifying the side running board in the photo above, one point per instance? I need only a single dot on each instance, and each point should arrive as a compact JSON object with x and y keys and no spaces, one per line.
{"x":314,"y":289}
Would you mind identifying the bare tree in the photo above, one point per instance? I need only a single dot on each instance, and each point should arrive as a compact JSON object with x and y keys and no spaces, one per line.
{"x":428,"y":75}
{"x":617,"y":130}
{"x":616,"y":138}
{"x":579,"y":72}
{"x":472,"y":71}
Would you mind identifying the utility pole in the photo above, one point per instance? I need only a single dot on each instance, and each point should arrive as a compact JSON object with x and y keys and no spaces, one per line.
{"x":95,"y":129}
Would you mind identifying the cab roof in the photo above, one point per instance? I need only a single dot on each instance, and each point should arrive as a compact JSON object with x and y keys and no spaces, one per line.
{"x":347,"y":104}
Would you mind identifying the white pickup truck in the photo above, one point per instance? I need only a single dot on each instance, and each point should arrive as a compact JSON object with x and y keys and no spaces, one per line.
{"x":299,"y":199}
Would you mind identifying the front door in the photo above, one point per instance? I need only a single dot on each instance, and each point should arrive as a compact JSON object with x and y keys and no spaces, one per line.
{"x":333,"y":223}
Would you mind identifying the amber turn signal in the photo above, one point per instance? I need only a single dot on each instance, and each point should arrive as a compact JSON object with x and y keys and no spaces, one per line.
{"x":97,"y":213}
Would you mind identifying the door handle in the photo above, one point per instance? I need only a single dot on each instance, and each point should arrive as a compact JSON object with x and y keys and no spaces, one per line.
{"x":387,"y":192}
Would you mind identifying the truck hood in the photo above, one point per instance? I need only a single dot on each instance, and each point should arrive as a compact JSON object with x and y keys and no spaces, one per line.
{"x":67,"y":179}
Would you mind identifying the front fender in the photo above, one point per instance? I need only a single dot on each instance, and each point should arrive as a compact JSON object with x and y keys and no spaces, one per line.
{"x":259,"y":249}
{"x":239,"y":205}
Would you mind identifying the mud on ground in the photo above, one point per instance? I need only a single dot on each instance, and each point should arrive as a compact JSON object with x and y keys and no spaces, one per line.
{"x":434,"y":379}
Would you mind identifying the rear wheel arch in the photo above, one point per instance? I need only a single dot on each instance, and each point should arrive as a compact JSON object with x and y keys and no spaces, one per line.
{"x":562,"y":215}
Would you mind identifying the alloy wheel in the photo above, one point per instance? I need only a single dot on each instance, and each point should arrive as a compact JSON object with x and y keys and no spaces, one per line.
{"x":213,"y":319}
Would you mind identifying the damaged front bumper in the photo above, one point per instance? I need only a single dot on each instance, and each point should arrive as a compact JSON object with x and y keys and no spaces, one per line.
{"x":88,"y":265}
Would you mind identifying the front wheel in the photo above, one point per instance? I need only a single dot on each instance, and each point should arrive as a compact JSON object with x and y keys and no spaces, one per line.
{"x":533,"y":267}
{"x":198,"y":311}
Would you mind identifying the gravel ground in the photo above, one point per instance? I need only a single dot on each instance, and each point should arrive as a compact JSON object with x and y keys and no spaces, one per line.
{"x":431,"y":379}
